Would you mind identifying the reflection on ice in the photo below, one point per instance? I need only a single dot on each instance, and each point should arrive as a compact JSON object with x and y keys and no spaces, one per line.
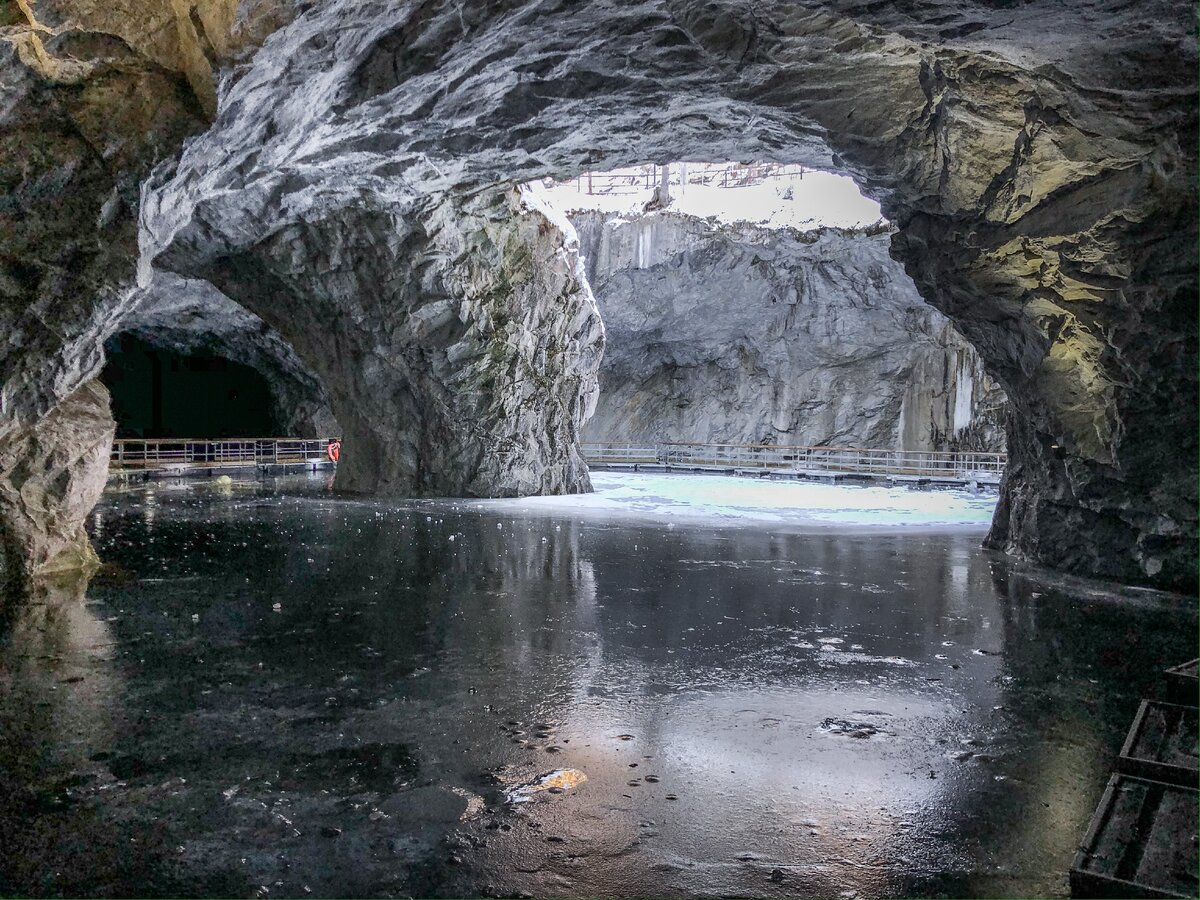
{"x":288,"y":691}
{"x":727,"y":498}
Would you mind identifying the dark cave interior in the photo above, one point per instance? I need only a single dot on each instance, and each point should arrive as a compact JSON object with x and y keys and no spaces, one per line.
{"x":159,"y":392}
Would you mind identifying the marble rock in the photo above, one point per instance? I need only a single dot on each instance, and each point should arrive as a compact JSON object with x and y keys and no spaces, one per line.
{"x":735,"y":333}
{"x":55,"y":474}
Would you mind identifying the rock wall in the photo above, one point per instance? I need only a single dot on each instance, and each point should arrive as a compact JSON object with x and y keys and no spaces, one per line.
{"x":56,"y":472}
{"x":92,"y":96}
{"x":95,"y":94}
{"x":739,"y":334}
{"x":457,"y":336}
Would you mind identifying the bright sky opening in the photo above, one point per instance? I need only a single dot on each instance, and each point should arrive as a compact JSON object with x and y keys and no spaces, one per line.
{"x":762,"y":193}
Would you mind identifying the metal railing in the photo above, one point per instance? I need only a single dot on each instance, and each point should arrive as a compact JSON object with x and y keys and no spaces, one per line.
{"x":168,"y":453}
{"x":627,"y":454}
{"x":799,"y":460}
{"x":646,"y":178}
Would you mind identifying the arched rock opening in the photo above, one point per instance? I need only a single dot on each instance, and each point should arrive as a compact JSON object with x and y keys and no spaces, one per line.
{"x":95,"y":96}
{"x":1043,"y":190}
{"x":158,"y":392}
{"x":234,"y":376}
{"x":456,"y":334}
{"x":776,"y":331}
{"x":191,"y":318}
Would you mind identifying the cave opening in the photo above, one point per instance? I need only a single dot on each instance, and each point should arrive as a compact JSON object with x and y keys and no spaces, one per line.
{"x":757,"y":303}
{"x":162,"y":392}
{"x":760,"y":192}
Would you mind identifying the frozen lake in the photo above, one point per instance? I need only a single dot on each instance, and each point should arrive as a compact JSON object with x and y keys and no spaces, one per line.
{"x":664,"y":689}
{"x":730,"y":499}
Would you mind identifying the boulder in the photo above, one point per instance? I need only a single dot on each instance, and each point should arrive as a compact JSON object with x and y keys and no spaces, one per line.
{"x":51,"y":476}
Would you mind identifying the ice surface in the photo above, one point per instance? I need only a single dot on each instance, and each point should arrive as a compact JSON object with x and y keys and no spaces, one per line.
{"x":409,"y":685}
{"x":732,"y":499}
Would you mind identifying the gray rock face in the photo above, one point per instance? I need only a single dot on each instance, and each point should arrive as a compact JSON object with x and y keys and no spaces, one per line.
{"x":740,"y":334}
{"x":192,"y":316}
{"x":57,"y":471}
{"x":459,"y":342}
{"x":92,"y":96}
{"x":1038,"y":160}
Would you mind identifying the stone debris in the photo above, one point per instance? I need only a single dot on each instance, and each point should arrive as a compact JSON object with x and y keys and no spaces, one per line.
{"x":849,"y":728}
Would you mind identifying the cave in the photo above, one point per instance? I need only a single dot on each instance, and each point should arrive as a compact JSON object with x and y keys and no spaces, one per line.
{"x":468,"y":656}
{"x":158,"y":392}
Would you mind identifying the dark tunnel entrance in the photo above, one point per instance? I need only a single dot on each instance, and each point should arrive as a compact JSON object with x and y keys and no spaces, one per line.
{"x":158,"y":392}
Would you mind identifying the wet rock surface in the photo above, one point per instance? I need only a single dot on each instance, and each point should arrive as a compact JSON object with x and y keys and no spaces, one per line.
{"x":741,"y":334}
{"x":370,"y":735}
{"x":54,"y":474}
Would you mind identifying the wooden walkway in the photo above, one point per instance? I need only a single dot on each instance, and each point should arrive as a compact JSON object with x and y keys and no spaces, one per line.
{"x":1141,"y":841}
{"x":182,"y":456}
{"x":178,"y":456}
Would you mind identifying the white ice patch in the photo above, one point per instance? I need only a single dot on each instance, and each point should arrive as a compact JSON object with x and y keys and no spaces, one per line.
{"x":732,"y":500}
{"x":964,"y":395}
